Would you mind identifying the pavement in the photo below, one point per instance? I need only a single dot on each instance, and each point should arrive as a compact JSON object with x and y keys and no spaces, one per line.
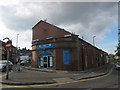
{"x":30,"y":76}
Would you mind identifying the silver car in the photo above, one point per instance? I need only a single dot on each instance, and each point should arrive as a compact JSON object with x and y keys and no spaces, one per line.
{"x":117,"y":66}
{"x":3,"y":65}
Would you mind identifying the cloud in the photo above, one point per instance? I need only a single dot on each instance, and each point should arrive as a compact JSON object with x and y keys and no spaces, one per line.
{"x":83,"y":18}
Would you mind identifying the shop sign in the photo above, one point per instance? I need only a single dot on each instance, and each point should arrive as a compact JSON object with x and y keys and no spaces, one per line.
{"x":44,"y":46}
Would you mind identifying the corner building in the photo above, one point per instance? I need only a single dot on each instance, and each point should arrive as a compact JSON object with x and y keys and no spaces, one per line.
{"x":53,"y":47}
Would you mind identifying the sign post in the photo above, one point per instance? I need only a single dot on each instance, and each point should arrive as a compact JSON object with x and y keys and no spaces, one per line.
{"x":8,"y":44}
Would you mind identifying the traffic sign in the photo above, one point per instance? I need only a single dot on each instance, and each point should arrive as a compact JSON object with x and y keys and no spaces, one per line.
{"x":8,"y":44}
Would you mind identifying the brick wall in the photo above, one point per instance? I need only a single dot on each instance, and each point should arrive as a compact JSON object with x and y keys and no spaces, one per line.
{"x":34,"y":59}
{"x":0,"y":50}
{"x":44,"y":30}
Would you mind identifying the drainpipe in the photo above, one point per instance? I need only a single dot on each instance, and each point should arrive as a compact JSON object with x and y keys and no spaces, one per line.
{"x":78,"y":53}
{"x":82,"y":54}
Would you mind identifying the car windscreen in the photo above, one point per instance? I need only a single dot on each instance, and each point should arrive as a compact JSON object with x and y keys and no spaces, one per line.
{"x":3,"y":62}
{"x":0,"y":62}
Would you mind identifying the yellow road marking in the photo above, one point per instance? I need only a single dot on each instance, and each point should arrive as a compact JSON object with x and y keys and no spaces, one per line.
{"x":25,"y":86}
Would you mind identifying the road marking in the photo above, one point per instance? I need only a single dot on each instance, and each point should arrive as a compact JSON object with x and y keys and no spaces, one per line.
{"x":25,"y":86}
{"x":59,"y":80}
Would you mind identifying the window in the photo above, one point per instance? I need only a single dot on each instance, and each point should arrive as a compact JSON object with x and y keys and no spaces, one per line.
{"x":65,"y":57}
{"x":51,"y":62}
{"x":86,"y":62}
{"x":41,"y":61}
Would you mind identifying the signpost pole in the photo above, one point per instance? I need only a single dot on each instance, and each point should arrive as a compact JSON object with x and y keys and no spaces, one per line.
{"x":8,"y":44}
{"x":7,"y":72}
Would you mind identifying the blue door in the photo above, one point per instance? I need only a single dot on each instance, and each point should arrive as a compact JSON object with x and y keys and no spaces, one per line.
{"x":65,"y":57}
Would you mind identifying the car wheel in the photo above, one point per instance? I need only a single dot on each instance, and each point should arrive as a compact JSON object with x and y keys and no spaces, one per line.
{"x":4,"y":69}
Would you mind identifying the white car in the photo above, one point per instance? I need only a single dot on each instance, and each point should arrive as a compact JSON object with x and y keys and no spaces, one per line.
{"x":23,"y":62}
{"x":117,"y":66}
{"x":3,"y":65}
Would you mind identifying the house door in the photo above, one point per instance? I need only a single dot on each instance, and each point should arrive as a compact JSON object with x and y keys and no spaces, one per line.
{"x":45,"y":61}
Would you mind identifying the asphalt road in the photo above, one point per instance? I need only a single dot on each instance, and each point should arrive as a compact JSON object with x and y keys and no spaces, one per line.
{"x":108,"y":81}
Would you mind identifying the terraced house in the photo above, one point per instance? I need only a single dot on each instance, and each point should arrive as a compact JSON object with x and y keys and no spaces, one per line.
{"x":3,"y":52}
{"x":56,"y":48}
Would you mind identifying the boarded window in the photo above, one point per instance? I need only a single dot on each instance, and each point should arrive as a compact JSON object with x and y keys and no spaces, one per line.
{"x":65,"y":56}
{"x":86,"y":62}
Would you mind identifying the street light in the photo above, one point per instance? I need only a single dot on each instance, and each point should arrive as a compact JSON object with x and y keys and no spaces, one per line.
{"x":6,"y":38}
{"x":17,"y":52}
{"x":17,"y":41}
{"x":7,"y":71}
{"x":94,"y":40}
{"x":17,"y":47}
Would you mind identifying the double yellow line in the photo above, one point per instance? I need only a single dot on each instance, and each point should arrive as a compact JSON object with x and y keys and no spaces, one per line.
{"x":39,"y":85}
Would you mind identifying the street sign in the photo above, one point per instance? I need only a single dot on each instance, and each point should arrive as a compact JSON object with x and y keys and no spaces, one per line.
{"x":8,"y":44}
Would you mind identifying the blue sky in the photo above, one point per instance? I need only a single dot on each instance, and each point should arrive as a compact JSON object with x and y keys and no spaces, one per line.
{"x":111,"y":40}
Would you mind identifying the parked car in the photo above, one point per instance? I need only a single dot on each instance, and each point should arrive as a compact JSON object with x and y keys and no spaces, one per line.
{"x":3,"y":65}
{"x":117,"y":66}
{"x":23,"y":62}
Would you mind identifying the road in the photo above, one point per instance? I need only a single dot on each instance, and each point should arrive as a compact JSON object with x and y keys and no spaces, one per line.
{"x":108,"y":81}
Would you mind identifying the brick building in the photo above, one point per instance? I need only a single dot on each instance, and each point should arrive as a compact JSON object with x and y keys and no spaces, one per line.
{"x":0,"y":50}
{"x":3,"y":52}
{"x":55,"y":48}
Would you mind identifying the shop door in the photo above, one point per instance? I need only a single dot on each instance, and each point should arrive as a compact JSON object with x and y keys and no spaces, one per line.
{"x":45,"y":61}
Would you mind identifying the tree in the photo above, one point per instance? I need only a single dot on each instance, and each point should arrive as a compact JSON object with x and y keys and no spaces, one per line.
{"x":111,"y":56}
{"x":118,"y":50}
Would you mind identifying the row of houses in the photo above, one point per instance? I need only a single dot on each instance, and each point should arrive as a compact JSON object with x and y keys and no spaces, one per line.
{"x":56,"y":48}
{"x":3,"y":52}
{"x":14,"y":55}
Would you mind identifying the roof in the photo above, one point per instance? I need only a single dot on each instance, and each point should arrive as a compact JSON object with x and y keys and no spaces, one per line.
{"x":52,"y":25}
{"x":68,"y":32}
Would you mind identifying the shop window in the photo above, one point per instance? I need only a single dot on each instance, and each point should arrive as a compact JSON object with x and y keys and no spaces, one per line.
{"x":50,"y":61}
{"x":41,"y":61}
{"x":65,"y":57}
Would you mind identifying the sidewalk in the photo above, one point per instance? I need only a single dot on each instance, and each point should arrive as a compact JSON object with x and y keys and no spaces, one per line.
{"x":30,"y":76}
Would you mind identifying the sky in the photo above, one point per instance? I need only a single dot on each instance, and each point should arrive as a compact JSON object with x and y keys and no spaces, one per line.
{"x":85,"y":19}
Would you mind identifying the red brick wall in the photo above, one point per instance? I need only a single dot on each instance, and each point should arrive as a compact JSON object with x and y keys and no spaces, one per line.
{"x":44,"y":30}
{"x":59,"y":61}
{"x":34,"y":59}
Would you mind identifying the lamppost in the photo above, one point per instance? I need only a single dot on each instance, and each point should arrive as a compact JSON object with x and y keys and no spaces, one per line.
{"x":7,"y":68}
{"x":17,"y":41}
{"x":17,"y":52}
{"x":94,"y":40}
{"x":17,"y":48}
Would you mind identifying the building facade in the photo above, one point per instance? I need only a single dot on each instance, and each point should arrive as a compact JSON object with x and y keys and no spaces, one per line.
{"x":0,"y":50}
{"x":3,"y":52}
{"x":55,"y":48}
